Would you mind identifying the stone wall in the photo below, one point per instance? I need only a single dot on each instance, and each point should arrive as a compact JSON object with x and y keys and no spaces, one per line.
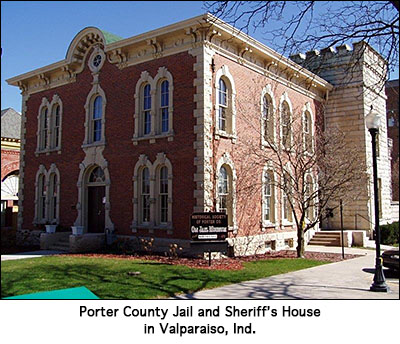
{"x":358,"y":76}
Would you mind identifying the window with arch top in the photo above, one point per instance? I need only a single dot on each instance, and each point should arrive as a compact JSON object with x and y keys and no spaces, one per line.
{"x":286,"y":125}
{"x":97,"y":116}
{"x":145,"y":196}
{"x":146,"y":109}
{"x":164,"y":106}
{"x":43,"y":132}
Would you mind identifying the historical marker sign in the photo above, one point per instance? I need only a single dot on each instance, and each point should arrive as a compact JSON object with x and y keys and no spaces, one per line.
{"x":209,"y":227}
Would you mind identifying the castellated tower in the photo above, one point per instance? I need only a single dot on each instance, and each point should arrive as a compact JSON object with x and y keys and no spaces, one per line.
{"x":358,"y":75}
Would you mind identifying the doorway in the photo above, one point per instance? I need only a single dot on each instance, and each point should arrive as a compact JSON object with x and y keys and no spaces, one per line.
{"x":96,"y":199}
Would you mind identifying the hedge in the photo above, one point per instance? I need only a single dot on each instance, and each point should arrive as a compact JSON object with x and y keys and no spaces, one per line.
{"x":390,"y":233}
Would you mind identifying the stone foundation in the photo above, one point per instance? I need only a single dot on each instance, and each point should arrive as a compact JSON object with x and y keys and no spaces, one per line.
{"x":91,"y":242}
{"x":262,"y":243}
{"x":49,"y":239}
{"x":26,"y":237}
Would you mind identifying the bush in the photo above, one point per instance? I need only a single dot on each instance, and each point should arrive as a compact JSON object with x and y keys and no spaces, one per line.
{"x":390,"y":233}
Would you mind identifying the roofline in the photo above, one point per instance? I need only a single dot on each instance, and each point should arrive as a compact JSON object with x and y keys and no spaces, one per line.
{"x":200,"y":19}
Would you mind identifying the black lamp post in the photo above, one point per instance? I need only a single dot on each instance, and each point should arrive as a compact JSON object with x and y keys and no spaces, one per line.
{"x":372,"y":120}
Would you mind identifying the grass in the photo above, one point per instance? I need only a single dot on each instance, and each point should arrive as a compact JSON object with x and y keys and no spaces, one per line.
{"x":109,"y":279}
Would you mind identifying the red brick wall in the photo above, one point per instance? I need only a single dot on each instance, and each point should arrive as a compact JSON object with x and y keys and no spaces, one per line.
{"x":9,"y":162}
{"x":121,"y":154}
{"x":249,"y":86}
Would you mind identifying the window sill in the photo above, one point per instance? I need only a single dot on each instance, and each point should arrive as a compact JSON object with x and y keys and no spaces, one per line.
{"x":48,"y":151}
{"x":219,"y":133}
{"x":153,"y":138}
{"x":151,"y":228}
{"x":94,"y":144}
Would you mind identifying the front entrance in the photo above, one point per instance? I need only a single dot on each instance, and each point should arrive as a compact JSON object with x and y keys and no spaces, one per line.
{"x":96,"y":201}
{"x":96,"y":214}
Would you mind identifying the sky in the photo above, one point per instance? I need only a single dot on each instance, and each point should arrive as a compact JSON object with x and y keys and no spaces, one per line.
{"x":35,"y":34}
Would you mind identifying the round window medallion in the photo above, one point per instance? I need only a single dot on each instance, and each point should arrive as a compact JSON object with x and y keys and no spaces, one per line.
{"x":97,"y":61}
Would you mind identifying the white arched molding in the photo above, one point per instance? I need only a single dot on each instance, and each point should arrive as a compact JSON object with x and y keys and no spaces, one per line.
{"x":315,"y":199}
{"x":94,"y":92}
{"x":307,"y":110}
{"x":56,"y":101}
{"x":145,"y":79}
{"x":285,"y":99}
{"x":155,"y":84}
{"x":164,"y":74}
{"x":94,"y":157}
{"x":53,"y":170}
{"x":267,"y":93}
{"x":154,"y":223}
{"x":268,"y":223}
{"x":227,"y":162}
{"x":225,"y":74}
{"x":45,"y":105}
{"x":286,"y":222}
{"x":161,"y":161}
{"x":38,"y":219}
{"x":142,"y":163}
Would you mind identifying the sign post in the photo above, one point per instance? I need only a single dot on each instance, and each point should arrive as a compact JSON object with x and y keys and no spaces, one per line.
{"x":208,"y":232}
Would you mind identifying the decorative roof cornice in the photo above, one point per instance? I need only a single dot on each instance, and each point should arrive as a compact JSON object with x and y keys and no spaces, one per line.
{"x":168,"y":40}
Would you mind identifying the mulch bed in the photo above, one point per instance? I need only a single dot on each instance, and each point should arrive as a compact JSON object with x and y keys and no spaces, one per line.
{"x":235,"y":263}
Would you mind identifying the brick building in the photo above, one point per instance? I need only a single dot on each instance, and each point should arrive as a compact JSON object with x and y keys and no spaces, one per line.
{"x":134,"y":135}
{"x":392,"y":109}
{"x":10,"y":146}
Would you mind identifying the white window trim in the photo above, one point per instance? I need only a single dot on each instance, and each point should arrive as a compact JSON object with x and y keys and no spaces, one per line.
{"x":307,"y":109}
{"x":54,"y":102}
{"x":94,"y":92}
{"x":155,"y":113}
{"x":285,"y":98}
{"x":269,"y":224}
{"x":42,"y":171}
{"x":286,"y":222}
{"x":224,"y":73}
{"x":267,"y":91}
{"x":44,"y":105}
{"x":154,"y":223}
{"x":226,"y":160}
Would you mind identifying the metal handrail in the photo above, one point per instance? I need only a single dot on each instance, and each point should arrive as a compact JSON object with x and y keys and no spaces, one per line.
{"x":357,"y":214}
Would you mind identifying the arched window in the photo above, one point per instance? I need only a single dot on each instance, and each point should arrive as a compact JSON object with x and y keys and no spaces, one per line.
{"x":268,"y":120}
{"x":164,"y":106}
{"x":55,"y":127}
{"x":286,"y":198}
{"x":307,"y":130}
{"x":97,"y":176}
{"x":222,"y":105}
{"x":43,"y":129}
{"x":223,"y":189}
{"x":286,"y":125}
{"x":268,"y":198}
{"x":41,"y":198}
{"x":163,"y":195}
{"x":53,"y":200}
{"x":97,"y":116}
{"x":146,"y":109}
{"x":145,"y":196}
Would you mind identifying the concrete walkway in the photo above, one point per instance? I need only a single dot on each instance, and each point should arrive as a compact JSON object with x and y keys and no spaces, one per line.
{"x":33,"y":254}
{"x":349,"y":279}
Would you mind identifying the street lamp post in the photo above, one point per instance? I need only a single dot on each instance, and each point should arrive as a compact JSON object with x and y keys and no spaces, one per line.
{"x":372,"y":121}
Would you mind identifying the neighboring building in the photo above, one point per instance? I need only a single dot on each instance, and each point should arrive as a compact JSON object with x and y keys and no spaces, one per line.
{"x":134,"y":135}
{"x":392,"y":110}
{"x":10,"y":146}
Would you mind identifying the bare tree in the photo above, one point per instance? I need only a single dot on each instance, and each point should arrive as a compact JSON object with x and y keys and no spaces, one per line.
{"x":291,"y":27}
{"x":312,"y":166}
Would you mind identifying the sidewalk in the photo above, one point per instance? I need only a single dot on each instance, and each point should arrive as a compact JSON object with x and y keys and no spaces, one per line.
{"x":33,"y":254}
{"x":348,"y":279}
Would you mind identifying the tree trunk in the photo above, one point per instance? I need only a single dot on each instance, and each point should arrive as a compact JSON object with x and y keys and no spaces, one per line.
{"x":300,"y":242}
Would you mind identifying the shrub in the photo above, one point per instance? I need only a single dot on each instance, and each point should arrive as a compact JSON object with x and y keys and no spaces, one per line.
{"x":390,"y":233}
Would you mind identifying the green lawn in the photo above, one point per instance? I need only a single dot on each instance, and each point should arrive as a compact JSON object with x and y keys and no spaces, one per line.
{"x":109,"y":279}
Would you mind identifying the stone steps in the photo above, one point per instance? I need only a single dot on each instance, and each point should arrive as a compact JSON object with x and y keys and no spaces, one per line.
{"x":325,"y":239}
